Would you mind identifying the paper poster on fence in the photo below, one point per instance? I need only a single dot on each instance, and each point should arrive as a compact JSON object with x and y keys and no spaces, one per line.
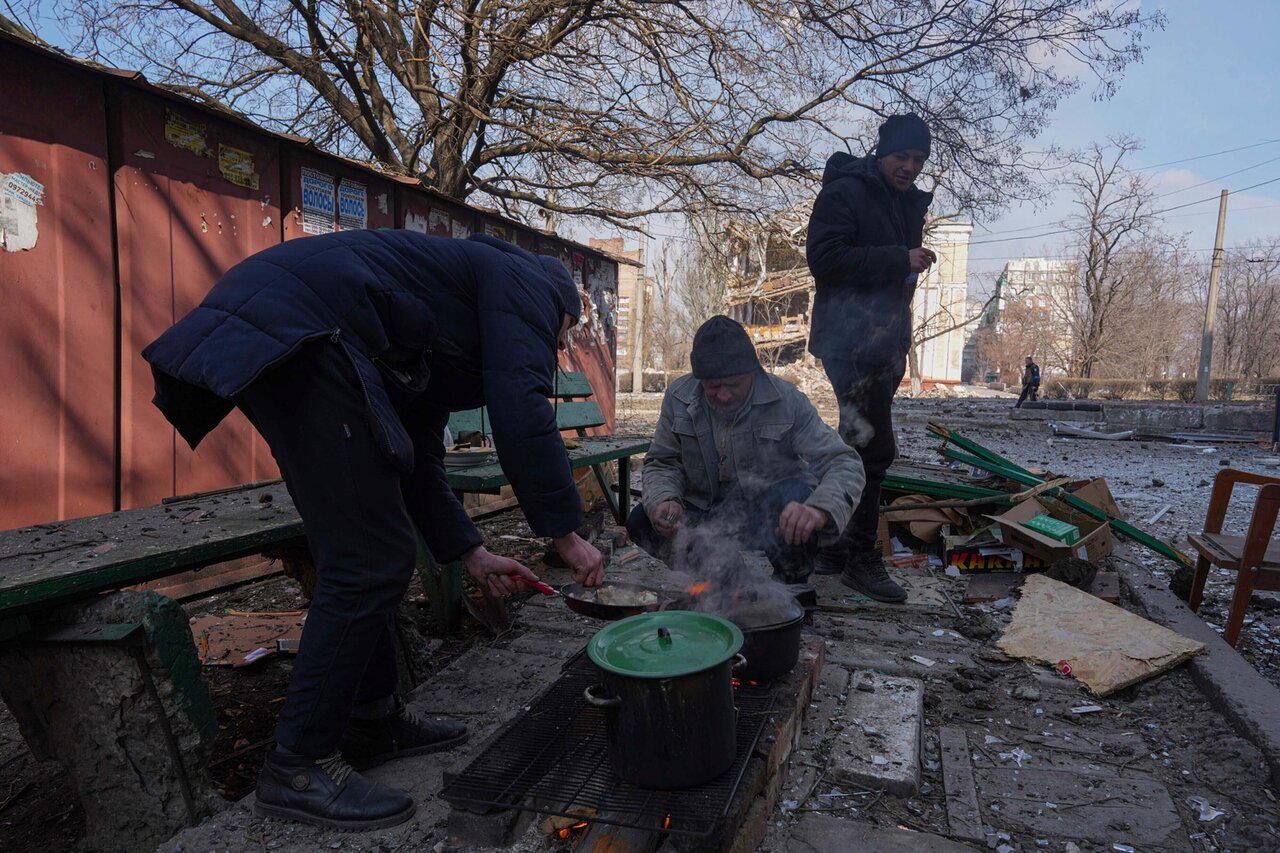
{"x":353,"y":205}
{"x":318,"y":205}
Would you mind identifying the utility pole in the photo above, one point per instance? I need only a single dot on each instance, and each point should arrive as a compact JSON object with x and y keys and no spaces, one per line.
{"x":637,"y":323}
{"x":1211,"y":307}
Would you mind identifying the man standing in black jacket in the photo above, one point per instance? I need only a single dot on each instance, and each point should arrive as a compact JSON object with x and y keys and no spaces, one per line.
{"x":1030,"y":383}
{"x":865,"y":255}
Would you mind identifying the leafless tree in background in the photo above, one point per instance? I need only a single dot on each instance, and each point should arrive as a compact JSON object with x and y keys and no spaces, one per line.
{"x":616,"y":109}
{"x":1248,"y":329}
{"x":1156,"y":335}
{"x":1113,"y":219}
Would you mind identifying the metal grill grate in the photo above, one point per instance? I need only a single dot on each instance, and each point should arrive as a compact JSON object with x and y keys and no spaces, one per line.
{"x":554,"y":758}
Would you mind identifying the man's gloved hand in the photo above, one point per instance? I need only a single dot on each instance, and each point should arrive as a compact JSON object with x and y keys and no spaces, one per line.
{"x":584,"y":559}
{"x":666,"y":518}
{"x":493,"y":571}
{"x":799,"y":522}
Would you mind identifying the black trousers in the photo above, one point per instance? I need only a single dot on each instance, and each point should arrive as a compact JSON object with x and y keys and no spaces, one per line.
{"x":1029,"y":392}
{"x":751,"y":523}
{"x":312,"y":413}
{"x":865,"y":389}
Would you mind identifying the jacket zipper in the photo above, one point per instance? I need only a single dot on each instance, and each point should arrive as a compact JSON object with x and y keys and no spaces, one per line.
{"x":335,"y":336}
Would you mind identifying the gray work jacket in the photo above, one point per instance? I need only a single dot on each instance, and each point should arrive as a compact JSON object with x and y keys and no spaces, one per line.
{"x":778,"y":436}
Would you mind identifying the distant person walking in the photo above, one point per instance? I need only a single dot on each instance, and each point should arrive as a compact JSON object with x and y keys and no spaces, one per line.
{"x":1030,"y":383}
{"x":865,"y":255}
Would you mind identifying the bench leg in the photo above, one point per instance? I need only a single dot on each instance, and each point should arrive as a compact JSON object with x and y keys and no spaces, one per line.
{"x":624,"y":490}
{"x":1245,"y":579}
{"x":607,"y":488}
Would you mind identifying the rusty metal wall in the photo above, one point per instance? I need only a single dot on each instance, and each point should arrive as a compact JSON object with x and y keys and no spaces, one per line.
{"x":57,"y":301}
{"x":194,"y":195}
{"x":120,"y":206}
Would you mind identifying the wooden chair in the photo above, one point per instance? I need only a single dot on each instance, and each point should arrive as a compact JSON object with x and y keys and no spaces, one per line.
{"x":1254,"y":557}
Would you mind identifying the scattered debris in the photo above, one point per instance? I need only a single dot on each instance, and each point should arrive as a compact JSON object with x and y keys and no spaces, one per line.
{"x":1207,"y":813}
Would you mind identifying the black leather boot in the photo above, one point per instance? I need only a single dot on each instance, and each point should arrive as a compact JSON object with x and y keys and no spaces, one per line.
{"x":865,"y":573}
{"x":399,"y":734}
{"x":326,"y":792}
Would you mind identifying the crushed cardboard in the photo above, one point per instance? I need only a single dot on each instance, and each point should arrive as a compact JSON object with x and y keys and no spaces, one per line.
{"x":239,"y":638}
{"x":1108,"y":648}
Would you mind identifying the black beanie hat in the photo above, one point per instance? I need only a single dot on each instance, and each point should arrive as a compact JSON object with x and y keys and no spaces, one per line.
{"x":569,"y":294}
{"x":722,"y":348}
{"x":898,"y":133}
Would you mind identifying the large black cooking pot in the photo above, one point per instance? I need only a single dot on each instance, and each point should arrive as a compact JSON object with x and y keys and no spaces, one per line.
{"x":771,"y":634}
{"x":667,"y":694}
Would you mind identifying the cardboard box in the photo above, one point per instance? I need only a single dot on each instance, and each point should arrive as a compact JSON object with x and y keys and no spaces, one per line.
{"x":972,"y":561}
{"x":1095,"y":536}
{"x":982,"y":552}
{"x":1097,"y":493}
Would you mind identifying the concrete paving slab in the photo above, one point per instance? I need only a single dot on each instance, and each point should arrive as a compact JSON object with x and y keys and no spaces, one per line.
{"x":1100,"y":807}
{"x":964,"y":816}
{"x":878,"y":746}
{"x":924,"y":593}
{"x":824,"y":834}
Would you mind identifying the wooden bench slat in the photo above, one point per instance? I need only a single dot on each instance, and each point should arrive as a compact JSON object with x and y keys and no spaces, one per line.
{"x":50,"y":563}
{"x":489,"y":478}
{"x":580,"y":414}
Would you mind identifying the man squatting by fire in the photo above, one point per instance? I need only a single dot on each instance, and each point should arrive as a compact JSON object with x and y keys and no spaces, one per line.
{"x":865,"y":255}
{"x":746,"y":452}
{"x":347,"y":352}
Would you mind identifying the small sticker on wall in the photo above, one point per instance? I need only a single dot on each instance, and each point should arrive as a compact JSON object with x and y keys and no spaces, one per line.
{"x":415,"y":222}
{"x":353,"y":205}
{"x":460,"y":230}
{"x":20,"y":195}
{"x":236,"y":165}
{"x":318,"y":205}
{"x":181,"y":132}
{"x":440,"y":222}
{"x":495,"y":231}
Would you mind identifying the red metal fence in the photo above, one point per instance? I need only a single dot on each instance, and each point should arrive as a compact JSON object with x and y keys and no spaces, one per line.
{"x":120,"y":205}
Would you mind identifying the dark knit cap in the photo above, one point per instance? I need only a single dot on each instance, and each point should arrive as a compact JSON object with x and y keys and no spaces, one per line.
{"x":722,"y":348}
{"x":569,"y":295}
{"x":898,"y":133}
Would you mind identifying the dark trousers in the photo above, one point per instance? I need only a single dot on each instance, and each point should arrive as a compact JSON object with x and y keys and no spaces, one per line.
{"x":865,"y":392}
{"x":751,"y":524}
{"x":312,"y":413}
{"x":1029,"y":392}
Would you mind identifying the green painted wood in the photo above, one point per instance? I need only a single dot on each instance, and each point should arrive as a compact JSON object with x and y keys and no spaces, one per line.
{"x":489,"y":478}
{"x":572,"y":384}
{"x":580,"y":414}
{"x":52,"y":563}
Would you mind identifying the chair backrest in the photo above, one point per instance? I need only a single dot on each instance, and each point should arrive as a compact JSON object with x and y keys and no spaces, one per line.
{"x":572,"y":413}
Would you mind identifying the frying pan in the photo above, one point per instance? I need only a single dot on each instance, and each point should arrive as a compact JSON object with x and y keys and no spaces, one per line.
{"x":574,"y":597}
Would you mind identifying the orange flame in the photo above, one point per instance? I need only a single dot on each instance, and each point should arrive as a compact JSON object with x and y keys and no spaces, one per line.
{"x":570,"y":830}
{"x":699,"y":588}
{"x":666,"y":823}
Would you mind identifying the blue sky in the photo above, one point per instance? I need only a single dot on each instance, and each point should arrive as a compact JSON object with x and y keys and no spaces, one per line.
{"x":1208,"y":84}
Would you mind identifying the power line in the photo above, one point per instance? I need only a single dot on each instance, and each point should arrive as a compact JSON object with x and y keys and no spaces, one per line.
{"x":1205,"y":156}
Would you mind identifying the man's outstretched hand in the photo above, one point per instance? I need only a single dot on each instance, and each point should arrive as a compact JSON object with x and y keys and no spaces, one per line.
{"x":494,"y":572}
{"x":666,"y":518}
{"x":583,"y":559}
{"x":799,"y":522}
{"x":921,"y":259}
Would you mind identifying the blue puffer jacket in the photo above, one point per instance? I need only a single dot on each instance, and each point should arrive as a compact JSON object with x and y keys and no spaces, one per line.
{"x":431,"y":325}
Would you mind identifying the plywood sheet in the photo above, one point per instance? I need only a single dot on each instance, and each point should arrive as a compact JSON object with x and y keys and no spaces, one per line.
{"x":1107,"y":647}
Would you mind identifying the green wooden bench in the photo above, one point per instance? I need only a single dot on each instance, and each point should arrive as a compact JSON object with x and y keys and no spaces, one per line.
{"x":575,"y":412}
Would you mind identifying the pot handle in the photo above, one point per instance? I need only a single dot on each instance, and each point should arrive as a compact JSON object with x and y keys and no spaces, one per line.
{"x":607,"y":703}
{"x":739,"y":661}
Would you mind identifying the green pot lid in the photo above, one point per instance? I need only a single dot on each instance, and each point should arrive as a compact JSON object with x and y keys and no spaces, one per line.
{"x":665,"y":644}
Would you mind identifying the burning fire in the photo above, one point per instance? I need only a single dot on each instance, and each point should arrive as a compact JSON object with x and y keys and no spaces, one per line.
{"x":667,"y":822}
{"x":738,"y":682}
{"x":699,"y":588}
{"x":570,"y":830}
